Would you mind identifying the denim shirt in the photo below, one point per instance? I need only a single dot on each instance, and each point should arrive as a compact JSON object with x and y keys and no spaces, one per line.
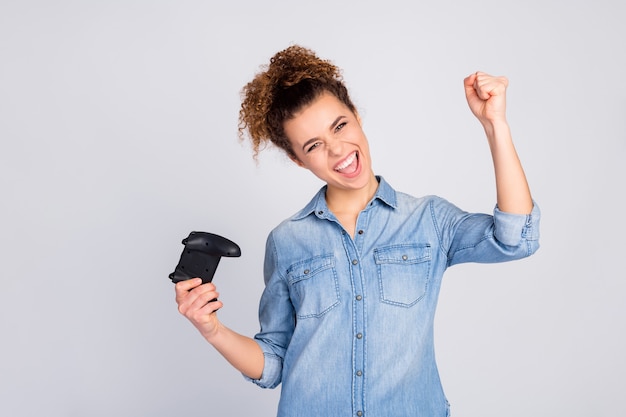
{"x":347,"y":322}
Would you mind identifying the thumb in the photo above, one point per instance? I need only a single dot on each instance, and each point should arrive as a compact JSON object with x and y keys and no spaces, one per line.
{"x":470,"y":85}
{"x":468,"y":81}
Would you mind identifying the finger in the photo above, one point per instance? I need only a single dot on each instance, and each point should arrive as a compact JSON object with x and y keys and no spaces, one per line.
{"x":201,"y":310}
{"x":470,"y":90}
{"x":211,"y":307}
{"x":192,"y":303}
{"x":468,"y":81}
{"x":201,"y":289}
{"x":487,"y":85}
{"x":202,"y":296}
{"x":482,"y":85}
{"x":184,"y":296}
{"x":491,"y":83}
{"x":186,"y":285}
{"x":470,"y":85}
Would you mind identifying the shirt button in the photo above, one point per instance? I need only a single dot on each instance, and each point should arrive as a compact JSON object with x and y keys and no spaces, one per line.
{"x":359,"y":373}
{"x":359,"y":413}
{"x":359,"y":336}
{"x":360,"y":232}
{"x":320,"y":212}
{"x":404,"y":257}
{"x":306,"y":271}
{"x":358,"y":298}
{"x":354,"y":262}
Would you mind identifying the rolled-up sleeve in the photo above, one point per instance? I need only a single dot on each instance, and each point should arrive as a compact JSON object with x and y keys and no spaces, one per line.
{"x":272,"y":372}
{"x":511,"y":229}
{"x":483,"y":238}
{"x":277,"y":321}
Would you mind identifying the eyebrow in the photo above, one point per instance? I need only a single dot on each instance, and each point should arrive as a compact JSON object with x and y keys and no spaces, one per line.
{"x":332,"y":126}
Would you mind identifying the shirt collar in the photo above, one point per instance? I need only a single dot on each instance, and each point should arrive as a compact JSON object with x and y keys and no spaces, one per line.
{"x":385,"y":193}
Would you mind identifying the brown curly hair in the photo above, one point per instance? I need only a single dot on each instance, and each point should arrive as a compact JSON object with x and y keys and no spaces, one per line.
{"x":294,"y":78}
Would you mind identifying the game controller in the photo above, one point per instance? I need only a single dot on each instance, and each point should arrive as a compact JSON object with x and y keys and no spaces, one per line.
{"x":201,"y":255}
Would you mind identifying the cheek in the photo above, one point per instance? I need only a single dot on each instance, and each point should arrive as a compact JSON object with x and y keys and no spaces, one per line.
{"x":300,"y":159}
{"x":313,"y":162}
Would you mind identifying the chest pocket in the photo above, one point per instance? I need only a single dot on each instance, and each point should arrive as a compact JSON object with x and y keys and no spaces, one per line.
{"x":313,"y":286}
{"x":403,"y":273}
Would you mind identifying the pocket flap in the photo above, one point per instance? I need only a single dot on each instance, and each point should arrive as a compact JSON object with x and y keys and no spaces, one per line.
{"x":402,"y":254}
{"x":308,"y":268}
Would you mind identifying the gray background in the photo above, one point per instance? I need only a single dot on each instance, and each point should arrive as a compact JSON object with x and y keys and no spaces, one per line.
{"x":118,"y":126}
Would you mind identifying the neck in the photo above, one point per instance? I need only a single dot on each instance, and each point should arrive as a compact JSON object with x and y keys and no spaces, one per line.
{"x":341,"y":200}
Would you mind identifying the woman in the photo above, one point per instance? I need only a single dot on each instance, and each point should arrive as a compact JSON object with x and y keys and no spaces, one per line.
{"x":352,"y":280}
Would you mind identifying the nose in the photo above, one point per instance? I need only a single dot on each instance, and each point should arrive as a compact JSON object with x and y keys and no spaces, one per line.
{"x":335,"y":146}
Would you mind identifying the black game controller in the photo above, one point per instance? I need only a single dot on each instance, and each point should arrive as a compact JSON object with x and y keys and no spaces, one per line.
{"x":201,"y":255}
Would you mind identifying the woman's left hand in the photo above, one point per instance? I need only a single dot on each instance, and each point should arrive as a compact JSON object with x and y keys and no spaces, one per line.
{"x":486,"y":96}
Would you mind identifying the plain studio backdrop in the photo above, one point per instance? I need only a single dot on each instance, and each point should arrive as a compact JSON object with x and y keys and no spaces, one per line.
{"x":118,"y":136}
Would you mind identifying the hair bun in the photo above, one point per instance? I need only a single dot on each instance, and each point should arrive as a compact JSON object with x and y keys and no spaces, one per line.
{"x":266,"y":104}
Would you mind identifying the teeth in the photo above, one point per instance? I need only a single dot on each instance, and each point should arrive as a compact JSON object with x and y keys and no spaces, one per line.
{"x":346,"y":163}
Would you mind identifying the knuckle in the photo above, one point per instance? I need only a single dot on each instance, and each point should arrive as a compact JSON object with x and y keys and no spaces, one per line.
{"x":197,"y":317}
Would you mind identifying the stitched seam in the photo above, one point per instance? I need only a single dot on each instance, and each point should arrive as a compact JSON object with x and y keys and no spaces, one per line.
{"x":437,"y":231}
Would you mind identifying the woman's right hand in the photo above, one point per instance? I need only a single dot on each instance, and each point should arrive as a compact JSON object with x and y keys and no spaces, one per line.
{"x":194,"y":302}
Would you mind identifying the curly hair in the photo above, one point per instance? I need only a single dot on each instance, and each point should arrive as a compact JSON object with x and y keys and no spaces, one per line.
{"x":294,"y":78}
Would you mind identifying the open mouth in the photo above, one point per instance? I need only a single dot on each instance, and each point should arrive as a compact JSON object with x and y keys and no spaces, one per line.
{"x":348,"y":165}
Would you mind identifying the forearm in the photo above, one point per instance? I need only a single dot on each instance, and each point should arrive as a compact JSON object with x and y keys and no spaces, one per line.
{"x":513,"y":193}
{"x":243,"y":352}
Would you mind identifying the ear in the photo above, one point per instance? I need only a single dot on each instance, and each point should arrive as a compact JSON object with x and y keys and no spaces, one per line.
{"x":358,"y":118}
{"x":296,"y":160}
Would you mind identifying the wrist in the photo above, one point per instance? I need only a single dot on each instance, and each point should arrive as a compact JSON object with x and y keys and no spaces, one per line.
{"x":213,"y":334}
{"x":496,"y":128}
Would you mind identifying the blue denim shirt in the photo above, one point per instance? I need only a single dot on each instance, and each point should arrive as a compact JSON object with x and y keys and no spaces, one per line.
{"x":347,"y":323}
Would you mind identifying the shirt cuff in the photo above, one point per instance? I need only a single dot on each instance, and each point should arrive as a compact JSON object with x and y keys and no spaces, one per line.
{"x":272,"y":372}
{"x":511,"y":229}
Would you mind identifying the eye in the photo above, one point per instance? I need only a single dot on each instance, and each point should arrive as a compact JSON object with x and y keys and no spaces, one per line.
{"x":340,"y":126}
{"x":312,"y":147}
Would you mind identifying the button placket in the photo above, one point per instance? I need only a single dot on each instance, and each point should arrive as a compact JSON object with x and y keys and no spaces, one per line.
{"x":353,"y":247}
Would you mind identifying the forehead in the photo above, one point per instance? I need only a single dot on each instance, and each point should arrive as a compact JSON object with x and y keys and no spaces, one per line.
{"x":315,"y":118}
